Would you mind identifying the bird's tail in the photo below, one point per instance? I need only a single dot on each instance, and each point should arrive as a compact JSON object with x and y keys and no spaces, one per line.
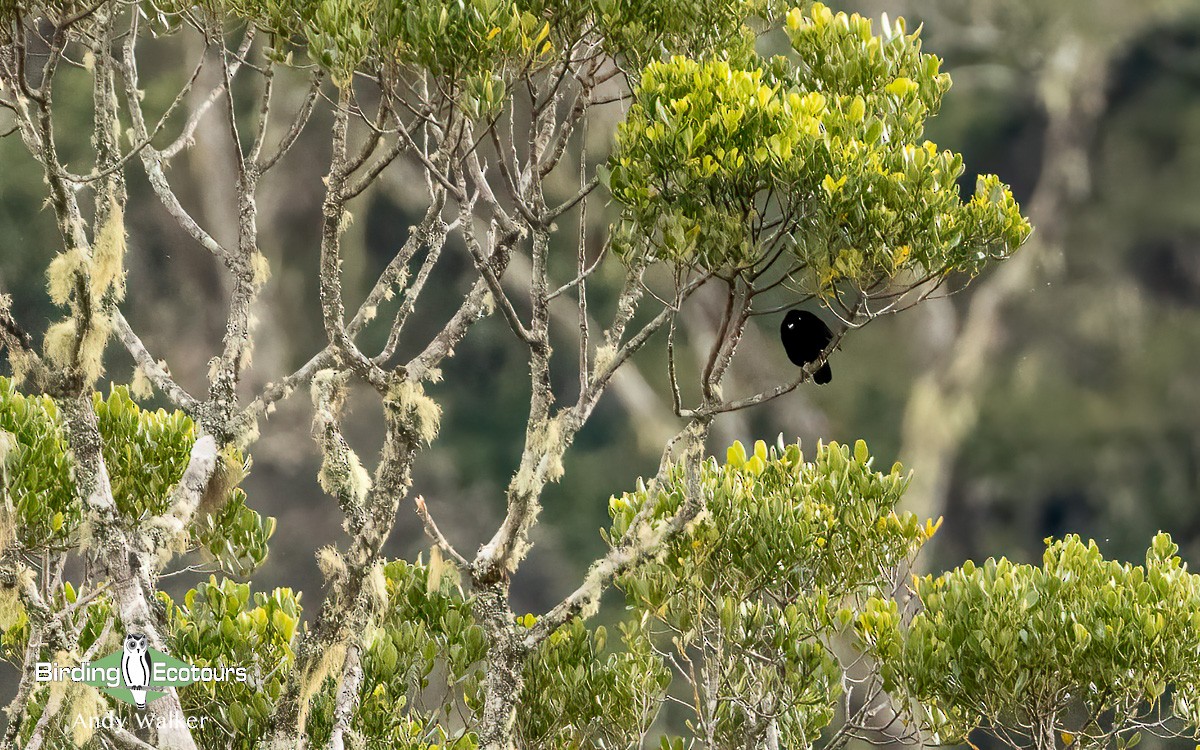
{"x":824,"y":375}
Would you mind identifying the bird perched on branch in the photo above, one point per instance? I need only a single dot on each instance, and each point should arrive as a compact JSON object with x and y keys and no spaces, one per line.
{"x":804,"y":337}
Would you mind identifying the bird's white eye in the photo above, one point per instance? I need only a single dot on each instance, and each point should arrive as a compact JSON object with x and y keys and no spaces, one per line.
{"x":791,"y":325}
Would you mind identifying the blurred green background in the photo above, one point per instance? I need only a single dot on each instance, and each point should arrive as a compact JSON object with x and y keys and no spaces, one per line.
{"x":1059,"y":396}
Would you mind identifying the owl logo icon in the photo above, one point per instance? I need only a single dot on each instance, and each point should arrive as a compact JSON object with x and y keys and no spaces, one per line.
{"x":135,"y":666}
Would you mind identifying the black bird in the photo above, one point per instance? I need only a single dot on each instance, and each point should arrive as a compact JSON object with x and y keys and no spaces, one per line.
{"x":804,"y":337}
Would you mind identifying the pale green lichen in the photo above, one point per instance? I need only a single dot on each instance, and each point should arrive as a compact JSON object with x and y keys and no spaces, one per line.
{"x":230,"y":469}
{"x":605,"y":354}
{"x":342,"y":474}
{"x":60,"y":342}
{"x":593,"y":588}
{"x":247,"y":354}
{"x":8,"y":523}
{"x":86,"y":705}
{"x":333,"y":658}
{"x":89,"y":357}
{"x":545,"y":444}
{"x":91,"y":349}
{"x":331,"y":564}
{"x":422,"y":413}
{"x":140,"y":386}
{"x":60,"y":276}
{"x":170,"y":537}
{"x":108,"y":256}
{"x":19,"y":362}
{"x":8,"y":443}
{"x":376,"y":587}
{"x":541,"y":463}
{"x":245,"y":430}
{"x":440,"y":569}
{"x":12,"y":612}
{"x":59,"y":688}
{"x":87,"y":534}
{"x":260,"y":270}
{"x":327,"y":390}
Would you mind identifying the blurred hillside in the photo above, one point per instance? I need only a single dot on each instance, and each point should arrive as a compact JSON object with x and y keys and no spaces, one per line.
{"x":1085,"y":405}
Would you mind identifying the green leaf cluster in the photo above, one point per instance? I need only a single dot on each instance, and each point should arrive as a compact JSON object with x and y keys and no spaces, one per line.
{"x":221,"y":624}
{"x":477,"y":47}
{"x":235,"y":534}
{"x":759,"y":582}
{"x":39,"y":509}
{"x":14,"y":621}
{"x":145,"y":452}
{"x":640,"y":31}
{"x":817,"y":152}
{"x":423,"y":658}
{"x":422,"y":666}
{"x":1004,"y":644}
{"x":576,"y":695}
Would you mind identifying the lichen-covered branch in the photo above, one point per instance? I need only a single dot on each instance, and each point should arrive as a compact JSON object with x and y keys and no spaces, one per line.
{"x":643,"y":542}
{"x":122,"y":558}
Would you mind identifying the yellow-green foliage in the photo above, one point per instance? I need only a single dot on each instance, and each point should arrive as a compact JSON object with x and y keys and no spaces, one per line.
{"x":223,"y":623}
{"x":580,"y":692}
{"x":826,"y":143}
{"x":786,"y":544}
{"x":425,"y":639}
{"x":1078,"y":636}
{"x":37,"y":486}
{"x":423,"y":414}
{"x":145,"y":453}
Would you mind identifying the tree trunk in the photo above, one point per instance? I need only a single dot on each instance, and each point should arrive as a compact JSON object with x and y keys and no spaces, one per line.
{"x":505,"y":663}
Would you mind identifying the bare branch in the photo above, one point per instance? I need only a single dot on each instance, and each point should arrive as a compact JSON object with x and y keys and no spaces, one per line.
{"x":298,"y":122}
{"x":151,"y":368}
{"x":434,"y":533}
